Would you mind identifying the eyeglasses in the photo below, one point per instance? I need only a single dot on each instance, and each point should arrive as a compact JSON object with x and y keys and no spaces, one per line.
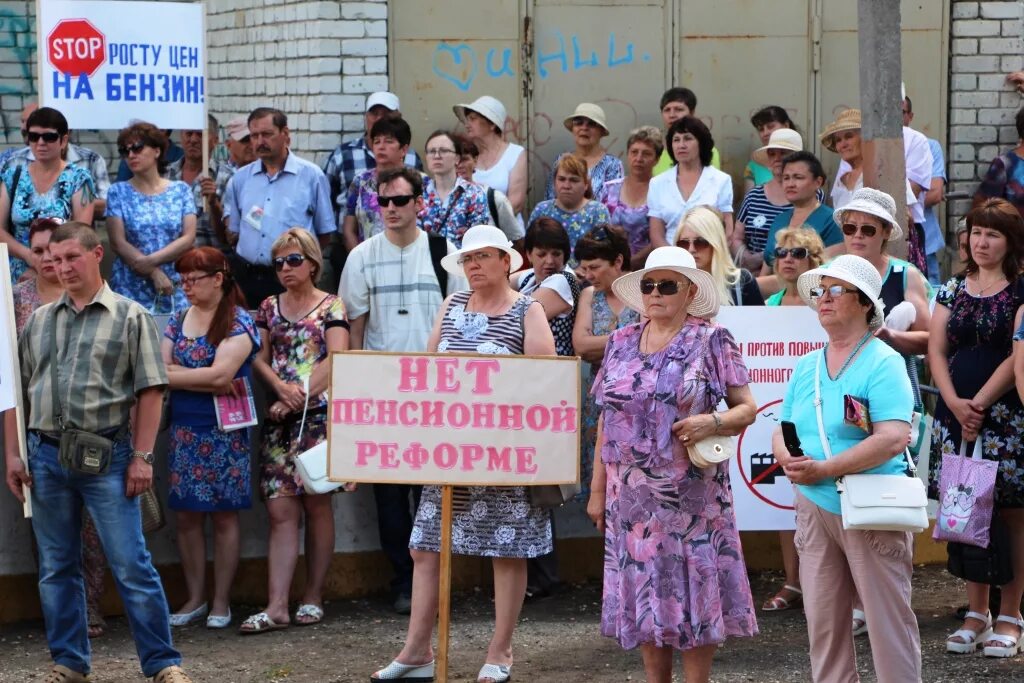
{"x":293,"y":261}
{"x":664,"y":287}
{"x":834,"y":292}
{"x":868,"y":230}
{"x":478,"y":256}
{"x":698,"y":243}
{"x":583,"y":121}
{"x":439,"y":151}
{"x":134,"y":148}
{"x":397,"y":199}
{"x":191,"y":281}
{"x":795,"y":252}
{"x":49,"y":136}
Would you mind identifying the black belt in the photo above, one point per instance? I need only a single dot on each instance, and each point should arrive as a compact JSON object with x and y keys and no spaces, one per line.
{"x":51,"y":440}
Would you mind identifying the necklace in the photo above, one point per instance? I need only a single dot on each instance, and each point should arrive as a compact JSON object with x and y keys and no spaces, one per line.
{"x":990,"y":285}
{"x":849,"y":359}
{"x":647,"y":342}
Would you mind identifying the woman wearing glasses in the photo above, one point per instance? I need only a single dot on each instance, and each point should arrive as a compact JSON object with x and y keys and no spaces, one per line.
{"x":205,"y":348}
{"x":674,"y":577}
{"x":299,"y":329}
{"x":453,"y":205}
{"x":588,"y":126}
{"x":151,"y":222}
{"x":701,"y":233}
{"x":855,"y":374}
{"x":573,"y":207}
{"x":47,"y":188}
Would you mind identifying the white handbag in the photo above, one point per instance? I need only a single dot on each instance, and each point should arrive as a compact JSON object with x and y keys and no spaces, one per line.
{"x":876,"y":502}
{"x":312,"y":467}
{"x":716,"y":448}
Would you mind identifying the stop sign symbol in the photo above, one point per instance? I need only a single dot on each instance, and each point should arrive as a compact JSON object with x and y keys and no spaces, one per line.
{"x":75,"y":47}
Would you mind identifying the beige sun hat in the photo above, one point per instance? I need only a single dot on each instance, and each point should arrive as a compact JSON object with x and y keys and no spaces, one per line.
{"x":847,"y":120}
{"x":488,"y":107}
{"x":875,"y":202}
{"x":482,"y":237}
{"x":785,"y":139}
{"x":705,"y":303}
{"x":849,"y":268}
{"x":588,"y":111}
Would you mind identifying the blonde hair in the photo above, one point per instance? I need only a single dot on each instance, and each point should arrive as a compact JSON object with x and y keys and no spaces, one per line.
{"x":573,"y":164}
{"x":803,"y":236}
{"x":707,"y":223}
{"x":303,"y":240}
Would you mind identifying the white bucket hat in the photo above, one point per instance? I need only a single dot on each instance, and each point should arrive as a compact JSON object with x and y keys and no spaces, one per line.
{"x":705,"y":303}
{"x":785,"y":139}
{"x":481,"y":237}
{"x":849,"y":268}
{"x":488,"y":107}
{"x":588,"y":111}
{"x":875,"y":202}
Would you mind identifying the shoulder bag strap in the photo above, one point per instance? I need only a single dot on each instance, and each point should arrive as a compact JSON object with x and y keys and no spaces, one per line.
{"x":438,"y":250}
{"x":702,"y":364}
{"x":492,"y":205}
{"x":9,"y":224}
{"x":58,"y":405}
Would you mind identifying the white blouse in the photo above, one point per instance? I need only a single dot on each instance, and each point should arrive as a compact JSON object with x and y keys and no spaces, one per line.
{"x":666,"y":202}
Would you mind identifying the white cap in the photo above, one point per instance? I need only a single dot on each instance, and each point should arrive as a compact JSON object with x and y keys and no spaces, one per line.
{"x":384,"y":99}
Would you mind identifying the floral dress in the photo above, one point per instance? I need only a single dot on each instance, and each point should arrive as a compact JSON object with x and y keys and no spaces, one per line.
{"x":26,"y":300}
{"x":151,"y":222}
{"x":489,"y":521}
{"x":576,"y":223}
{"x":979,"y":337}
{"x":27,"y":204}
{"x":295,"y":348}
{"x":362,"y":203}
{"x":608,"y":168}
{"x":209,"y":468}
{"x":632,"y":219}
{"x":674,"y":574}
{"x":465,"y":207}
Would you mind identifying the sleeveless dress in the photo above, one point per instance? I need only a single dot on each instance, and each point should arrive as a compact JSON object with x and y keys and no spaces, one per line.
{"x":489,"y":521}
{"x":497,"y":176}
{"x":561,"y":325}
{"x":894,"y":292}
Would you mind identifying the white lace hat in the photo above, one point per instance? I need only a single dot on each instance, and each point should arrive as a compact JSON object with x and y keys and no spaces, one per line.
{"x":785,"y":139}
{"x":705,"y":303}
{"x":488,"y":107}
{"x":852,"y":269}
{"x":874,"y":202}
{"x":481,"y":237}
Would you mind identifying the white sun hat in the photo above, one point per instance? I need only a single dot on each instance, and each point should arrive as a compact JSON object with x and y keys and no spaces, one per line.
{"x":785,"y":139}
{"x":852,"y":269}
{"x":488,"y":107}
{"x":875,"y":202}
{"x":590,"y":111}
{"x":481,"y":237}
{"x":705,"y":303}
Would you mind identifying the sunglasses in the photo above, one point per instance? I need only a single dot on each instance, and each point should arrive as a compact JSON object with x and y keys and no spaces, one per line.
{"x":834,"y":292}
{"x":134,"y":148}
{"x":664,"y":287}
{"x":850,"y":229}
{"x":397,"y":200}
{"x":191,"y":281}
{"x":583,"y":121}
{"x":795,"y":252}
{"x":293,"y":261}
{"x":45,"y":137}
{"x":698,"y":243}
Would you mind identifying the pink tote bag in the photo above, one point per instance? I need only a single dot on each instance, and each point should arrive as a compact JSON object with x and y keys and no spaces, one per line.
{"x":967,"y":490}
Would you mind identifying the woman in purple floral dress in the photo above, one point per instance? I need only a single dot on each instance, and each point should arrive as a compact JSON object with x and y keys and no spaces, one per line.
{"x":674,"y":576}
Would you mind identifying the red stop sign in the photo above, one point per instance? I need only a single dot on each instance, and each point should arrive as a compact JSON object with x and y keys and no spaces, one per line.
{"x":76,"y":47}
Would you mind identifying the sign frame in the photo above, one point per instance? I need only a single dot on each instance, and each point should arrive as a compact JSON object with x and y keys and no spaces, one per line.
{"x":11,"y":340}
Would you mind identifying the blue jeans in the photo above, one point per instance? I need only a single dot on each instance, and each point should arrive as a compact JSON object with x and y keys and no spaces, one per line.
{"x":933,"y":274}
{"x":57,"y":499}
{"x":396,"y":509}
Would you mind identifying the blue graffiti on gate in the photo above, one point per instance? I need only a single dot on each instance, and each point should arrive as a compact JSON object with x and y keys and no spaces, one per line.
{"x":17,"y":38}
{"x":460,"y":64}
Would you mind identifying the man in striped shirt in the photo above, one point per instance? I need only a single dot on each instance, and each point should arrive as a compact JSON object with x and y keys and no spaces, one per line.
{"x":107,"y":354}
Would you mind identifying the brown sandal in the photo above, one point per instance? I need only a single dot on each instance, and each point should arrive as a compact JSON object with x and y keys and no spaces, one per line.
{"x":62,"y":674}
{"x":172,"y":674}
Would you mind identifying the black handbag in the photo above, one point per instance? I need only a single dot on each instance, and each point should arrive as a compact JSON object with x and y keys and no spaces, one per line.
{"x":992,"y":565}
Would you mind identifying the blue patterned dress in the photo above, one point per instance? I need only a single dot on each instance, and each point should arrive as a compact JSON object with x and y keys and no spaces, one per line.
{"x":151,"y":222}
{"x":209,"y":468}
{"x":608,"y":168}
{"x":576,"y":223}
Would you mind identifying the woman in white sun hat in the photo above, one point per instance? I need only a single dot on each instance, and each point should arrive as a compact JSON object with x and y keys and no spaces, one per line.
{"x":501,"y":164}
{"x":866,"y":405}
{"x":490,"y":318}
{"x":588,"y":126}
{"x":674,"y":577}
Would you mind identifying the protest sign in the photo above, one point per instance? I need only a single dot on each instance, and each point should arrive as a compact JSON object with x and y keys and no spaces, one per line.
{"x":10,"y":368}
{"x":103,"y":63}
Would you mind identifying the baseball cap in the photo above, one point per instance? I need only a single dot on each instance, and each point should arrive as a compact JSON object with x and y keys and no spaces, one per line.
{"x":238,"y":129}
{"x":384,"y":99}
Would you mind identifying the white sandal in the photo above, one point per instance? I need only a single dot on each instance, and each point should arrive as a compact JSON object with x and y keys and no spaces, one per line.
{"x":499,"y":673}
{"x":862,"y":619}
{"x":1010,"y":645}
{"x":396,"y":671}
{"x":973,"y":640}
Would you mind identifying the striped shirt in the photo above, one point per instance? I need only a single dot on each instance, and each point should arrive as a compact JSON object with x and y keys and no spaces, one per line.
{"x":107,"y":353}
{"x":757,"y":213}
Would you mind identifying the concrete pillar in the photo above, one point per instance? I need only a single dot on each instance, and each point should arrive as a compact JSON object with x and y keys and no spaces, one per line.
{"x":878,"y":41}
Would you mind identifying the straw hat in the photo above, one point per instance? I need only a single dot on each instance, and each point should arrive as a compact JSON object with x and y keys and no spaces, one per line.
{"x":875,"y":202}
{"x":488,"y":107}
{"x":785,"y":139}
{"x":588,"y":111}
{"x":849,"y":268}
{"x":705,"y":303}
{"x":481,"y":237}
{"x":847,"y":120}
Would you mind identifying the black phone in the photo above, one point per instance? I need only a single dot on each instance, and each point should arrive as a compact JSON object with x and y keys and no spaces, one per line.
{"x":791,"y":440}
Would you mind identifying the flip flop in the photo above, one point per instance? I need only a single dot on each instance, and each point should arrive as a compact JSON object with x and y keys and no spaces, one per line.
{"x":779,"y":603}
{"x":312,"y":614}
{"x":260,"y":623}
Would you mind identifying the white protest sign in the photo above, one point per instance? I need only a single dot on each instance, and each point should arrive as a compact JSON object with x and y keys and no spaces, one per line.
{"x":9,"y":386}
{"x":772,"y":339}
{"x":102,"y":63}
{"x":453,"y":419}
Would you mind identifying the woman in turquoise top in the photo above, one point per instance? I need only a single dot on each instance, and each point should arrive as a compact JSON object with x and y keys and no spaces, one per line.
{"x":865,"y":407}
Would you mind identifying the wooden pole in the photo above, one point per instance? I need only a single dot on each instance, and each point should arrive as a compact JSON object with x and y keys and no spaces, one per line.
{"x":444,"y":594}
{"x":205,"y":171}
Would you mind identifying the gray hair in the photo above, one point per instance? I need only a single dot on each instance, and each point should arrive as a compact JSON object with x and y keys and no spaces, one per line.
{"x":649,"y":134}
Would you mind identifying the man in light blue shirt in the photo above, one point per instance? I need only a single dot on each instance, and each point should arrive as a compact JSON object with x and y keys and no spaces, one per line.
{"x":276,"y":192}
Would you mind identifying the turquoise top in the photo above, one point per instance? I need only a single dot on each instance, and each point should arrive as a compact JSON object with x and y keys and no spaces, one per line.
{"x":820,"y":219}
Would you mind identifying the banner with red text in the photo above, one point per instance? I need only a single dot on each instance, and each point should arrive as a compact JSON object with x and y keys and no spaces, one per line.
{"x":772,"y":339}
{"x":453,"y":419}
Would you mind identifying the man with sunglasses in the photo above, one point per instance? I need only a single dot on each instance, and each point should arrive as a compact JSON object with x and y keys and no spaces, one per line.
{"x":276,"y":192}
{"x":393,"y":286}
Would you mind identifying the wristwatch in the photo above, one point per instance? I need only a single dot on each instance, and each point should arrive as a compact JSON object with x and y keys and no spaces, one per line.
{"x":147,"y":456}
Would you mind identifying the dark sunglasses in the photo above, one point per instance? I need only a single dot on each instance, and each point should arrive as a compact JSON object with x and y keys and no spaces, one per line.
{"x":583,"y":121}
{"x":45,"y":137}
{"x":698,"y":243}
{"x":795,"y":252}
{"x":664,"y":287}
{"x":834,"y":292}
{"x":293,"y":261}
{"x":850,"y":229}
{"x":397,"y":200}
{"x":134,"y":148}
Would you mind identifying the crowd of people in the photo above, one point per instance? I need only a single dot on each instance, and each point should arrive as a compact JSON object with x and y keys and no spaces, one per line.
{"x":262,"y":264}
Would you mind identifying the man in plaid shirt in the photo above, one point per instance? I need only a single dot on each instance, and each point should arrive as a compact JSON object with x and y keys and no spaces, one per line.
{"x":210,"y":230}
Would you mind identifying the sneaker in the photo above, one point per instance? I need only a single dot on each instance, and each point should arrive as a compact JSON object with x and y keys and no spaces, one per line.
{"x":403,"y":604}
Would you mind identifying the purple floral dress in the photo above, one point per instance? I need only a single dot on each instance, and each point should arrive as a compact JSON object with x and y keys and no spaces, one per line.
{"x":674,"y":574}
{"x":632,"y":219}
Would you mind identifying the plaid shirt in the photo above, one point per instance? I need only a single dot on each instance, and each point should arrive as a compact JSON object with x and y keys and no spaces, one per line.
{"x":221,"y":173}
{"x":107,"y":353}
{"x":92,"y":162}
{"x":349,"y":160}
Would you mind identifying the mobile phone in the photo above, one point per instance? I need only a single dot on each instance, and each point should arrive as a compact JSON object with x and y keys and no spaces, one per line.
{"x":791,"y":440}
